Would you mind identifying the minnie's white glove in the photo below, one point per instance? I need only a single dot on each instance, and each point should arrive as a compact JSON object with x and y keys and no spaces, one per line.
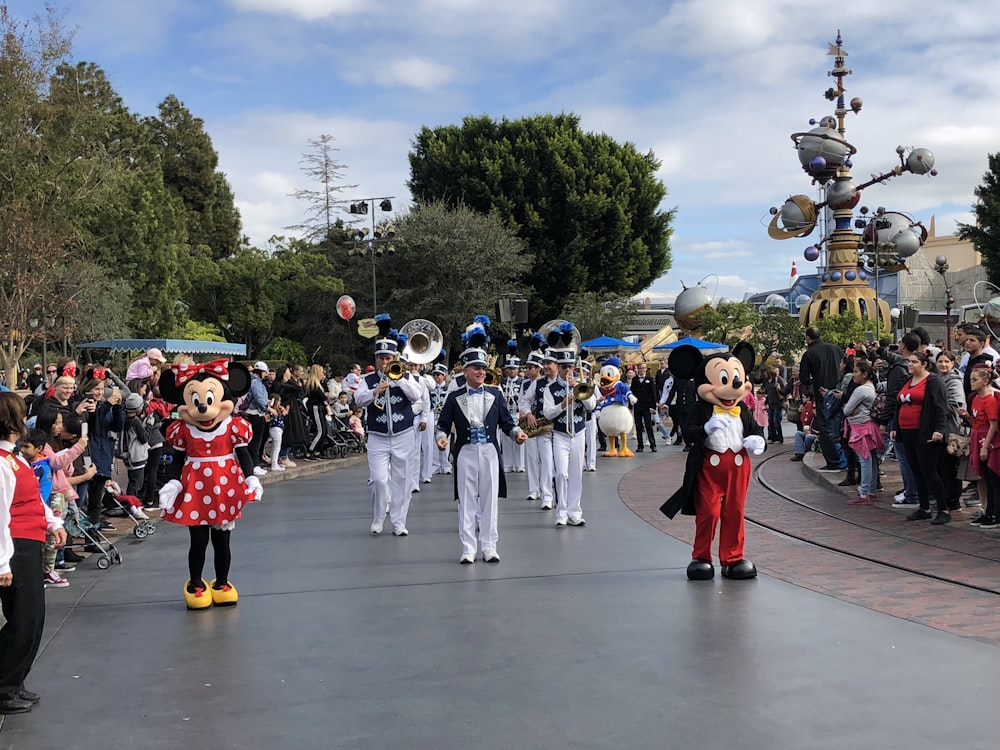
{"x":754,"y":444}
{"x":716,"y":423}
{"x":253,"y":484}
{"x":168,"y":495}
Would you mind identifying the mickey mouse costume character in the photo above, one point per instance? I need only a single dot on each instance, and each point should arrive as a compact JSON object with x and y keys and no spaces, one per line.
{"x":720,"y":431}
{"x":208,"y":489}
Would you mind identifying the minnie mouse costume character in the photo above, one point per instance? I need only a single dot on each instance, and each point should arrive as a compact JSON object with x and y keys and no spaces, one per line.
{"x":720,"y":429}
{"x":208,"y":489}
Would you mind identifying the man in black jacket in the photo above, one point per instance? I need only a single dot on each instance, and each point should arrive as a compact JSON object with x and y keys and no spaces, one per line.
{"x":644,"y":390}
{"x":819,"y":372}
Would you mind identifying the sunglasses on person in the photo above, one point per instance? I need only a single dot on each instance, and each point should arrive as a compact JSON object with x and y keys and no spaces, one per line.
{"x":51,"y":372}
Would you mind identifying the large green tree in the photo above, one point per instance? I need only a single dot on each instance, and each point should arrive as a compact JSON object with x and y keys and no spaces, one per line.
{"x":54,"y":168}
{"x":189,"y":162}
{"x":587,"y":207}
{"x":451,"y":265}
{"x":985,"y":233}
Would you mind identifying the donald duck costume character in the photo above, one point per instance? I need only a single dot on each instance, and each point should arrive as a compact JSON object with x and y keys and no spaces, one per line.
{"x":614,"y":417}
{"x":475,"y":412}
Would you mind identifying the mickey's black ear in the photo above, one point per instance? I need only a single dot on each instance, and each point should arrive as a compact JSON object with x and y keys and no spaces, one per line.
{"x":239,"y":379}
{"x":744,"y":353}
{"x":683,"y":361}
{"x":168,"y":388}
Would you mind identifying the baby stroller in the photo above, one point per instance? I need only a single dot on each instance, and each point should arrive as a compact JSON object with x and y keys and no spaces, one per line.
{"x":329,"y":445}
{"x":131,"y":508}
{"x":348,"y":437}
{"x":78,"y":525}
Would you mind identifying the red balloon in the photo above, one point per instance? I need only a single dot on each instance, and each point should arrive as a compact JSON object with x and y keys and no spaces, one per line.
{"x":346,"y":307}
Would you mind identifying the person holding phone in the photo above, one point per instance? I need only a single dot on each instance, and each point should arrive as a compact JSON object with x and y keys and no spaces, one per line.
{"x":102,"y":417}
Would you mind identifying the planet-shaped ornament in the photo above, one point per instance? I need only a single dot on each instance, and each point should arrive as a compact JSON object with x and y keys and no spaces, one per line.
{"x":811,"y":253}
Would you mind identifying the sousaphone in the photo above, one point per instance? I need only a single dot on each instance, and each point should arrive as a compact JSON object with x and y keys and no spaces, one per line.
{"x":424,"y":341}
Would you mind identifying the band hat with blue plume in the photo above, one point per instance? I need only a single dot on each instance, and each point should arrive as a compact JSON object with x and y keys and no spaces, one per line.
{"x":513,"y":361}
{"x":476,"y":339}
{"x":538,"y":346}
{"x":386,"y":344}
{"x":441,"y":363}
{"x":401,"y":340}
{"x":560,"y":342}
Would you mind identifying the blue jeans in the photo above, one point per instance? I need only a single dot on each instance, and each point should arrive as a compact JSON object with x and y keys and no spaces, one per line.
{"x":909,"y":480}
{"x":803,"y":442}
{"x":869,"y":474}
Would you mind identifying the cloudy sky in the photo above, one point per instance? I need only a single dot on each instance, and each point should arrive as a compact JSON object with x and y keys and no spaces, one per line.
{"x":713,"y":87}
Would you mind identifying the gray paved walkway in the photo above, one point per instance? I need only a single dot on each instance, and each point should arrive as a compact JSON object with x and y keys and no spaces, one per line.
{"x":581,"y":638}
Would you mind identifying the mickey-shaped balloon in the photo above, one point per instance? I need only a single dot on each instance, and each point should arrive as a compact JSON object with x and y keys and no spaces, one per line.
{"x":721,"y":432}
{"x":213,"y":479}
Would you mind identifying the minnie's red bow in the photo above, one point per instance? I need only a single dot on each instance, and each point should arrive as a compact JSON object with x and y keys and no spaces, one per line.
{"x":218,"y":368}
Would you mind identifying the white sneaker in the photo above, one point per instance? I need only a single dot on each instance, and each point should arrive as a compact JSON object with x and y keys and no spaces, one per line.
{"x":491,"y":556}
{"x":138,"y":515}
{"x":259,"y":471}
{"x":899,"y":495}
{"x":591,"y":468}
{"x":427,"y":480}
{"x":560,"y":522}
{"x":467,"y":559}
{"x":400,"y":531}
{"x":376,"y":528}
{"x":277,"y":467}
{"x":577,"y":521}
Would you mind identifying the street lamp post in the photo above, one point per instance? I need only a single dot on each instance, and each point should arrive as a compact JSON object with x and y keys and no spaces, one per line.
{"x":380,"y":241}
{"x":941,"y":266}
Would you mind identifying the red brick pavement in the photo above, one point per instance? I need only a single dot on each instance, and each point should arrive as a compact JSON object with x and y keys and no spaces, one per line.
{"x":858,"y":545}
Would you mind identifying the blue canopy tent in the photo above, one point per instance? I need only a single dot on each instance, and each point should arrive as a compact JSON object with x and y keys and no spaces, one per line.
{"x":608,"y":343}
{"x":705,"y":346}
{"x":186,"y":346}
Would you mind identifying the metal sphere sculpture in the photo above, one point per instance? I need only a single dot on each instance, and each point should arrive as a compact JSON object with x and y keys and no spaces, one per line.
{"x":851,"y":259}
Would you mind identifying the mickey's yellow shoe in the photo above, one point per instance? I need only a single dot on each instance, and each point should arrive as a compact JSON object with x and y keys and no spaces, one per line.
{"x":224,"y":596}
{"x":200,"y":599}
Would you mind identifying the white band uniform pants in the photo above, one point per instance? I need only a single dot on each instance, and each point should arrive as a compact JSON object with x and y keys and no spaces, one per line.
{"x":567,"y":453}
{"x":429,"y":446}
{"x":389,"y":475}
{"x":590,"y":441}
{"x":513,"y":454}
{"x":546,"y":468}
{"x":414,"y":464}
{"x":478,"y":468}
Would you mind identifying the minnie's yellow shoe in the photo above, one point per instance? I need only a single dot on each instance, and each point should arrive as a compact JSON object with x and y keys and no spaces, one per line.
{"x":200,"y":599}
{"x":225,"y":596}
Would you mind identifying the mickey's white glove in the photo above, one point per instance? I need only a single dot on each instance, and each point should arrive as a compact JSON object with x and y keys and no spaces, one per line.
{"x":754,"y":444}
{"x":168,"y":495}
{"x":716,"y":423}
{"x":253,"y":484}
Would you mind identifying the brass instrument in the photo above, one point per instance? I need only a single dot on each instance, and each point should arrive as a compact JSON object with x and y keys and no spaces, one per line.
{"x":493,"y":376}
{"x":542,"y":427}
{"x":423,"y":341}
{"x":583,"y":391}
{"x":395,"y":370}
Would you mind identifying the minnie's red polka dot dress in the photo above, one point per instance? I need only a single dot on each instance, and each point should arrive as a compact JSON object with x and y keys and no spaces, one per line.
{"x":213,"y":490}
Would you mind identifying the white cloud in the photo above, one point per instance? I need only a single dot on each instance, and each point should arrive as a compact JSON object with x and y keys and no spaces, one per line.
{"x":414,"y":72}
{"x":307,"y":10}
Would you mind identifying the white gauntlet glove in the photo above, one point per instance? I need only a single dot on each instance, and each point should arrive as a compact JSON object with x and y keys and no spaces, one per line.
{"x":754,"y":444}
{"x":716,"y":423}
{"x":168,"y":495}
{"x":253,"y":484}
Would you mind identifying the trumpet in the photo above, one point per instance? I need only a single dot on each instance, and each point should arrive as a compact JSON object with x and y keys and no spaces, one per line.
{"x":395,"y":370}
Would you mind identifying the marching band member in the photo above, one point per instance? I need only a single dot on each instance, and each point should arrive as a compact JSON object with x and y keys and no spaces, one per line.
{"x":590,"y":440}
{"x":475,"y":412}
{"x":480,"y":321}
{"x":510,"y":385}
{"x":389,"y":409}
{"x":569,"y":421}
{"x":526,"y":407}
{"x":424,"y":436}
{"x":546,"y":470}
{"x":441,"y":464}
